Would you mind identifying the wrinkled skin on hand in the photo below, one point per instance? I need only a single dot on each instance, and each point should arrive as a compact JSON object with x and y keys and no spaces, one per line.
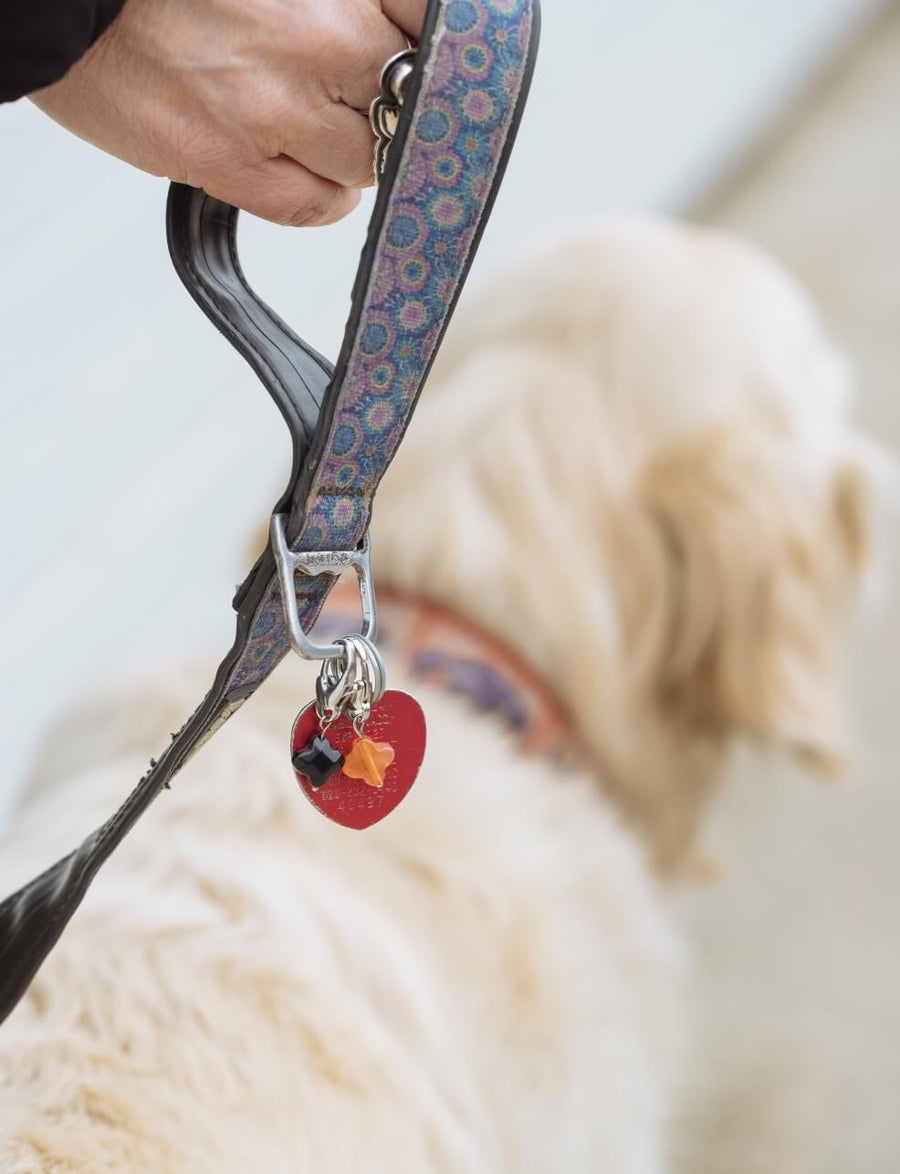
{"x":261,"y":103}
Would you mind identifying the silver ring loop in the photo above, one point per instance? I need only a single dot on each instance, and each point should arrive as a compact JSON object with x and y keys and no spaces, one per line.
{"x":371,"y":668}
{"x":353,"y":681}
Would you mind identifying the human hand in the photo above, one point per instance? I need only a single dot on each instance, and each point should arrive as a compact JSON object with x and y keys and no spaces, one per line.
{"x":262,"y":103}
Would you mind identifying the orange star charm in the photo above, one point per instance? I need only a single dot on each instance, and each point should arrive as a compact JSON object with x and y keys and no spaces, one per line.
{"x":368,"y":761}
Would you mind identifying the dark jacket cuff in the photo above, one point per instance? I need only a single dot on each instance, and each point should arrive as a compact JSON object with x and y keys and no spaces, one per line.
{"x":40,"y":40}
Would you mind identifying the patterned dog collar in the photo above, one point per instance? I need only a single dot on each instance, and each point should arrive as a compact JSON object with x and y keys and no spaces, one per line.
{"x":437,"y":646}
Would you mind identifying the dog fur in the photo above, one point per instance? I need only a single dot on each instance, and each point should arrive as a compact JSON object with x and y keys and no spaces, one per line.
{"x":631,"y":464}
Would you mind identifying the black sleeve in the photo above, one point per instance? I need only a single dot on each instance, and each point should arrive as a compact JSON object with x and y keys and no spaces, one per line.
{"x":41,"y":39}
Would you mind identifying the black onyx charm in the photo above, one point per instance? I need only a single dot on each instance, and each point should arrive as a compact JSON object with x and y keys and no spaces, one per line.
{"x":318,"y":761}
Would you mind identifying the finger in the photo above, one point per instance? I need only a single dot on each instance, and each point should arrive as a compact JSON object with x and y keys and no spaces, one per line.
{"x":336,"y":143}
{"x":408,"y":15}
{"x":286,"y":192}
{"x":356,"y":69}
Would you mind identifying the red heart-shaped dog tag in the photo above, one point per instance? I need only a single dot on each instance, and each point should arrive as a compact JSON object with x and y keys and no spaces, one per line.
{"x":398,"y":720}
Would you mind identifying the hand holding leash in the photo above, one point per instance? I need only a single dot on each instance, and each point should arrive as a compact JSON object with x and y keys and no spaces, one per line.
{"x":264,"y":106}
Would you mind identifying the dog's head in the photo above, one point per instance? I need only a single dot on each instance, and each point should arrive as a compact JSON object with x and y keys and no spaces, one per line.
{"x":632,"y":464}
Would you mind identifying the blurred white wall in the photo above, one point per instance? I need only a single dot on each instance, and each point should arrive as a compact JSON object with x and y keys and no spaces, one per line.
{"x":137,"y":451}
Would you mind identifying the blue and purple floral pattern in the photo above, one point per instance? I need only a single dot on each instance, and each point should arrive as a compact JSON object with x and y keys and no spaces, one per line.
{"x":470,"y":88}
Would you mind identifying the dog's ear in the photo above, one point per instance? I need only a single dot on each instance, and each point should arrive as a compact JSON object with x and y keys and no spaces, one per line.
{"x":762,"y":557}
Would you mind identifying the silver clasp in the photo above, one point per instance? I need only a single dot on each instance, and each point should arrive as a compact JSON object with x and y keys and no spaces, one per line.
{"x":320,"y":562}
{"x":354,"y":683}
{"x":384,"y":112}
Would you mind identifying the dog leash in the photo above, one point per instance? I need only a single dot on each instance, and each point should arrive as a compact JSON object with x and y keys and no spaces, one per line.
{"x":445,"y":121}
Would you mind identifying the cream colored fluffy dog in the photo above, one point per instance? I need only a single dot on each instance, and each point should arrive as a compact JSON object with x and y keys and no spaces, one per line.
{"x":631,"y":466}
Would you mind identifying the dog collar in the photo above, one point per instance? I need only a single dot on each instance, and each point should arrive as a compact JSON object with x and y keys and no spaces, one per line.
{"x":452,"y":135}
{"x":441,"y":648}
